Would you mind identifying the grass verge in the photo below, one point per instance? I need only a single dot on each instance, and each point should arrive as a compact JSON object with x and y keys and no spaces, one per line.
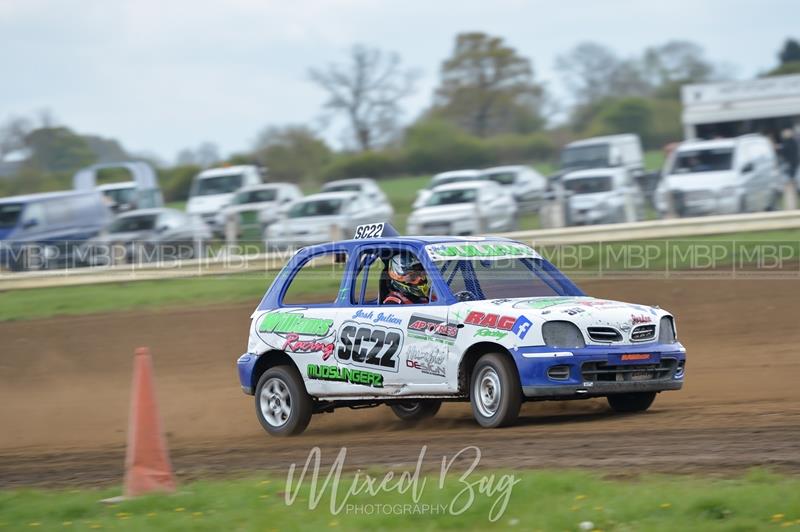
{"x":545,"y":500}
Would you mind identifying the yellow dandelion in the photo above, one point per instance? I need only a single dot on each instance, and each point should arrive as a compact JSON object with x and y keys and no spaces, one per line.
{"x":598,"y":508}
{"x":123,"y":514}
{"x":66,"y":523}
{"x":575,"y":508}
{"x":35,"y":523}
{"x":333,"y":524}
{"x":265,"y":482}
{"x":263,"y":496}
{"x":180,"y":509}
{"x":580,"y":497}
{"x":665,"y":505}
{"x":786,"y":524}
{"x":777,"y":517}
{"x":151,"y":514}
{"x":197,"y":514}
{"x":95,"y":525}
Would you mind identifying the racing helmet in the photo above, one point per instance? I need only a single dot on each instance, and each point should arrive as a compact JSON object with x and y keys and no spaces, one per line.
{"x":407,"y":276}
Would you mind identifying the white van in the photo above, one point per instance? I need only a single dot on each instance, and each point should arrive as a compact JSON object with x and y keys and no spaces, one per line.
{"x":720,"y":176}
{"x":602,"y":196}
{"x":214,"y":189}
{"x":611,"y":151}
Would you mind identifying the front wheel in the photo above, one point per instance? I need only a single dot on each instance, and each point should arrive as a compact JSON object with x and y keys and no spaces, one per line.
{"x":413,"y":411}
{"x":495,"y":392}
{"x":283,"y":405}
{"x":631,"y":402}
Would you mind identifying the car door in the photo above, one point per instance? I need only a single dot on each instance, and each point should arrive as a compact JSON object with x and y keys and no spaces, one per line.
{"x":406,"y":344}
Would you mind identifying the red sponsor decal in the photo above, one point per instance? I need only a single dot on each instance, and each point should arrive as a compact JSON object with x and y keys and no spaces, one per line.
{"x":492,"y":321}
{"x":296,"y":345}
{"x":643,"y":318}
{"x":636,"y":356}
{"x":434,"y":328}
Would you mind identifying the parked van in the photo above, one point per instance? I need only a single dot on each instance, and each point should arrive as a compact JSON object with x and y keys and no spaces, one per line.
{"x":141,"y":192}
{"x":618,"y":151}
{"x":720,"y":176}
{"x":214,"y":189}
{"x":41,"y":230}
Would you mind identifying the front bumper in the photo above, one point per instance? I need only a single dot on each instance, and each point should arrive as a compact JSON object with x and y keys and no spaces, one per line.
{"x":599,"y":370}
{"x":244,"y":367}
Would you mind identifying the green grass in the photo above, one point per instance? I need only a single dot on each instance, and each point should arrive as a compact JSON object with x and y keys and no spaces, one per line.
{"x":546,"y":500}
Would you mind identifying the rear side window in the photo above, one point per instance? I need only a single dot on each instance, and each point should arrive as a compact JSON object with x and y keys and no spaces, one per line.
{"x":317,"y":281}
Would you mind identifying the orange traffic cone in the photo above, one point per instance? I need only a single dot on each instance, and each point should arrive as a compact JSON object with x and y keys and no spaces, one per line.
{"x":147,"y":465}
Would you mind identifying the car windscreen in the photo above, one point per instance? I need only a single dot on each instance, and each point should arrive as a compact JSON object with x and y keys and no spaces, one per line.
{"x":127,"y":224}
{"x":452,"y":197}
{"x":349,"y":187}
{"x":452,"y":179}
{"x":326,"y":207}
{"x":591,"y":156}
{"x":588,"y":184}
{"x":256,"y":196}
{"x":504,"y":278}
{"x":502,"y":178}
{"x":9,"y":214}
{"x":121,"y":196}
{"x":222,"y":184}
{"x":696,"y":161}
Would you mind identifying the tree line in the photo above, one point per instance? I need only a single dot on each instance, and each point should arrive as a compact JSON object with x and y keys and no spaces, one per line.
{"x":488,"y":108}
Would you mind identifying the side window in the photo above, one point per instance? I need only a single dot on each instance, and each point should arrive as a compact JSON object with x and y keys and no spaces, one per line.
{"x":317,"y":281}
{"x":371,"y":270}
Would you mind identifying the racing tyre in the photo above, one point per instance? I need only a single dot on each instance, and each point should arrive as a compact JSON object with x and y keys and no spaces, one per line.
{"x":495,"y":392}
{"x":283,"y":406}
{"x":631,"y":402}
{"x":413,"y":411}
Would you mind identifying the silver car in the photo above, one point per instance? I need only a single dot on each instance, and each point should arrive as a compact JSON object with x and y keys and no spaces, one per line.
{"x":470,"y":208}
{"x":377,"y":202}
{"x":258,"y":206}
{"x":528,"y":186}
{"x":320,"y":218}
{"x":602,"y":195}
{"x":445,"y":178}
{"x":146,"y":235}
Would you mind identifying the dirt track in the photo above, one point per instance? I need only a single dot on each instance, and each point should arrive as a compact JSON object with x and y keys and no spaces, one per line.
{"x":64,"y":386}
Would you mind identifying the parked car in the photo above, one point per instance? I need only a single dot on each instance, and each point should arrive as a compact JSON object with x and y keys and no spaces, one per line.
{"x":321,"y":218}
{"x":39,"y":231}
{"x":146,"y":235}
{"x":258,"y":206}
{"x":141,"y":192}
{"x":602,"y":195}
{"x":720,"y":176}
{"x":453,"y":176}
{"x":368,"y":188}
{"x":609,"y":151}
{"x":528,"y":186}
{"x":502,"y":326}
{"x":470,"y":208}
{"x":213,"y":189}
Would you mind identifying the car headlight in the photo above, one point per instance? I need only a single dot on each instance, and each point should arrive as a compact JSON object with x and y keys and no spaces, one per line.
{"x":666,"y":331}
{"x":562,"y":334}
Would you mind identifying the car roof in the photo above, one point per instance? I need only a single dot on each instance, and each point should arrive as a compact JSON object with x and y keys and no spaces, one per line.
{"x":344,"y":194}
{"x":116,"y":186}
{"x":625,"y":137}
{"x":593,"y":172}
{"x":699,"y":144}
{"x":265,"y":186}
{"x":457,"y":173}
{"x":223,"y":171}
{"x":465,"y":185}
{"x":350,"y":181}
{"x":413,"y":240}
{"x":507,"y":168}
{"x":27,"y":198}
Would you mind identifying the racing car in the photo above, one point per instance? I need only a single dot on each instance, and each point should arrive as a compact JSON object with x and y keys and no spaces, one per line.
{"x":498,"y":325}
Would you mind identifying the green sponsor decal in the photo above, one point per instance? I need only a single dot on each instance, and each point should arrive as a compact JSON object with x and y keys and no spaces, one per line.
{"x":480,"y":251}
{"x":489,"y":333}
{"x":326,"y":372}
{"x":542,"y":302}
{"x":291,"y":322}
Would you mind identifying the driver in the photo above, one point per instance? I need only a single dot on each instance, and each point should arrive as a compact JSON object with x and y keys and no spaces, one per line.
{"x":408,"y":282}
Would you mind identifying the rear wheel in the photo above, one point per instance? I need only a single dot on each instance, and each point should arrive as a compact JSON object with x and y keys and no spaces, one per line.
{"x":631,"y":402}
{"x":495,"y":392}
{"x":283,"y":405}
{"x":413,"y":411}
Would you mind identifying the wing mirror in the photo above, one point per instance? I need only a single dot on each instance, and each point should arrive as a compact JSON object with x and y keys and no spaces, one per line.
{"x":33,"y":222}
{"x":746,"y":169}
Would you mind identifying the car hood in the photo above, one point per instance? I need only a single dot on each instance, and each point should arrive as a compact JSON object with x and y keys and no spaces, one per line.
{"x":449,"y":212}
{"x":702,"y":181}
{"x":583,"y":311}
{"x":206,"y":204}
{"x":588,"y":201}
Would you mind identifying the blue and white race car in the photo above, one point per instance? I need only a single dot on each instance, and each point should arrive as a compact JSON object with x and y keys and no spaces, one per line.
{"x":500,"y":325}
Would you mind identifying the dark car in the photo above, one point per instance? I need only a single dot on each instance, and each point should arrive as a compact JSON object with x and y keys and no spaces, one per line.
{"x":40,"y":231}
{"x":146,"y":235}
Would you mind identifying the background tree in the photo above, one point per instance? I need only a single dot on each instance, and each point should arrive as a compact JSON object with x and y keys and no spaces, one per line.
{"x":488,"y":88}
{"x":292,"y":153}
{"x":367,"y":92}
{"x":58,"y":149}
{"x":205,"y":155}
{"x":789,"y":57}
{"x":676,"y":63}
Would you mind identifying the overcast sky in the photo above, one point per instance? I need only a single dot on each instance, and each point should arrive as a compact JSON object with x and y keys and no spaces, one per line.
{"x":163,"y":75}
